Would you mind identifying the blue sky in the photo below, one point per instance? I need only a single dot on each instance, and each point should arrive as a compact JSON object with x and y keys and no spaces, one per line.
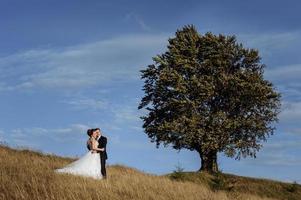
{"x":66,"y":66}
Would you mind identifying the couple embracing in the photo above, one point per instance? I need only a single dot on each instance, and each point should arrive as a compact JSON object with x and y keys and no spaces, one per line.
{"x":93,"y":163}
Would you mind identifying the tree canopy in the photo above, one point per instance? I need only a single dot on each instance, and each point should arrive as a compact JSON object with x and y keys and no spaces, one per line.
{"x":207,"y":93}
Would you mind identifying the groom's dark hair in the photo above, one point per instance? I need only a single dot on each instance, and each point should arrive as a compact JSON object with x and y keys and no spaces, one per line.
{"x":93,"y":130}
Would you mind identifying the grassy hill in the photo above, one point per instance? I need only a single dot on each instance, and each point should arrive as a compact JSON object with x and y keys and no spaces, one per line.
{"x":26,"y":174}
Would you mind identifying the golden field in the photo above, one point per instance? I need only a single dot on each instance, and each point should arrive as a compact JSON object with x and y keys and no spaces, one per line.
{"x":26,"y":174}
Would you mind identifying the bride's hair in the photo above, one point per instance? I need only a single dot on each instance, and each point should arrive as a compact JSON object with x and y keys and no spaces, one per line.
{"x":89,"y":132}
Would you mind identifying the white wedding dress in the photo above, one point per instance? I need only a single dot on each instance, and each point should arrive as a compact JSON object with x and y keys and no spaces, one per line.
{"x":88,"y":165}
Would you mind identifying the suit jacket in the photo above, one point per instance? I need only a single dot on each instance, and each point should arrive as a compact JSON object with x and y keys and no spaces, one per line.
{"x":102,"y":143}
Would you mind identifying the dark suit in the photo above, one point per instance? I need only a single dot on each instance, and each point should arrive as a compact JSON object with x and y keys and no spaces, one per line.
{"x":102,"y":143}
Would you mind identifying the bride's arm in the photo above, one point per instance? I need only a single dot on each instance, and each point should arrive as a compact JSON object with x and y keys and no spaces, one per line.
{"x":95,"y":148}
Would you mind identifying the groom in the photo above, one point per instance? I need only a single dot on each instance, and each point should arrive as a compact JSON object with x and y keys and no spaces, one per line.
{"x":102,"y":143}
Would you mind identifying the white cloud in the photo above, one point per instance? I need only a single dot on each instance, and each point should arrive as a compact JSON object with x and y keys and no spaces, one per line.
{"x":126,"y":114}
{"x":32,"y":137}
{"x":278,"y":153}
{"x":266,"y":42}
{"x":2,"y":136}
{"x":281,"y":145}
{"x":87,"y":103}
{"x":120,"y":115}
{"x":80,"y":66}
{"x":137,"y":19}
{"x":285,"y":74}
{"x":286,"y":79}
{"x":295,"y":131}
{"x":291,"y":112}
{"x":277,"y":159}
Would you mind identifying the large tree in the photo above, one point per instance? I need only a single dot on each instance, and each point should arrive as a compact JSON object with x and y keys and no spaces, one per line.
{"x":207,"y":93}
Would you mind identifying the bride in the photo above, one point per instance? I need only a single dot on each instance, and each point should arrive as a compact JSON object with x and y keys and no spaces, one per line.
{"x":88,"y":165}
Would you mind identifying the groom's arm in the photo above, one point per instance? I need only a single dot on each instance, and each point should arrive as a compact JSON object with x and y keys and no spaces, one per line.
{"x":105,"y":143}
{"x":96,"y":147}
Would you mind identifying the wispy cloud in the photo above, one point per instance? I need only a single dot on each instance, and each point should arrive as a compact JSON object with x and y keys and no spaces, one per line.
{"x":125,"y":117}
{"x":1,"y":136}
{"x":275,"y":158}
{"x":33,"y":137}
{"x":296,"y":132}
{"x":121,"y":114}
{"x":97,"y":63}
{"x":278,"y":153}
{"x":137,"y":19}
{"x":286,"y":79}
{"x":268,"y":42}
{"x":291,"y":112}
{"x":80,"y":66}
{"x":87,"y":104}
{"x":288,"y":75}
{"x":278,"y":159}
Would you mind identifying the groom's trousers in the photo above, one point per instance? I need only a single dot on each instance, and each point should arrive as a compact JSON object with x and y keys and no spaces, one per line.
{"x":103,"y":165}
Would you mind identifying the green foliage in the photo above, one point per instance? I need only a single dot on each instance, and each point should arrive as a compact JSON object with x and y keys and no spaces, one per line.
{"x":292,"y":187}
{"x":219,"y":182}
{"x":208,"y":93}
{"x":178,"y":172}
{"x":179,"y":168}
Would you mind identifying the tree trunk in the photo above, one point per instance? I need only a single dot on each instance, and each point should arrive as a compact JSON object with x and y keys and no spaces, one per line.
{"x":209,"y":161}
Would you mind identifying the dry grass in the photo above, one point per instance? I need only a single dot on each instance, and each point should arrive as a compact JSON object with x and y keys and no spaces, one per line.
{"x":30,"y":175}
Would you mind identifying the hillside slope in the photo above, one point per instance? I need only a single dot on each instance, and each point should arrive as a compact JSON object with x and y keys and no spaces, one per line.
{"x":26,"y":174}
{"x":240,"y":184}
